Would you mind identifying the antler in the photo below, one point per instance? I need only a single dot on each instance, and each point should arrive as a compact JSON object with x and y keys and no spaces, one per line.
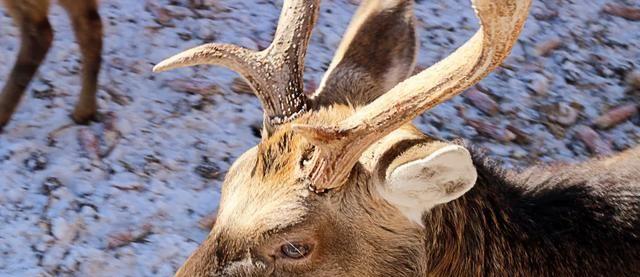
{"x":275,"y":74}
{"x":339,"y":147}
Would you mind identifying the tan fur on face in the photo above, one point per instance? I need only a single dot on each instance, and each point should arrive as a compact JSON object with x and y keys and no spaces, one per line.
{"x":264,"y":190}
{"x":265,"y":196}
{"x":253,"y":205}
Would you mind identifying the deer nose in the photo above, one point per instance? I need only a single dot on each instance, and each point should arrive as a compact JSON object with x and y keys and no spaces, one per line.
{"x":246,"y":265}
{"x":221,"y":255}
{"x":201,"y":262}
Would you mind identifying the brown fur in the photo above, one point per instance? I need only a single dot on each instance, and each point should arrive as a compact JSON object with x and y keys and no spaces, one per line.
{"x":344,"y":247}
{"x":488,"y":232}
{"x":549,"y":221}
{"x":36,"y":38}
{"x":562,"y":220}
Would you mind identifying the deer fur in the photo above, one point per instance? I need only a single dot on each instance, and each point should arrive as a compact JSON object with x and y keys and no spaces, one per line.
{"x":36,"y":38}
{"x":555,"y":220}
{"x":412,"y":205}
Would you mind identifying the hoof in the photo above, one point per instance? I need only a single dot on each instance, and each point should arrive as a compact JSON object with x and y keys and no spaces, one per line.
{"x":84,"y":119}
{"x":3,"y":123}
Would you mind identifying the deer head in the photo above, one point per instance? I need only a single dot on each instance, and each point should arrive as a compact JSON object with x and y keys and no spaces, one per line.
{"x":340,"y":180}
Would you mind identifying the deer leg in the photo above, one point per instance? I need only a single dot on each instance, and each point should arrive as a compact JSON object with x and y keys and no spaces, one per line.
{"x":36,"y":38}
{"x":87,"y":26}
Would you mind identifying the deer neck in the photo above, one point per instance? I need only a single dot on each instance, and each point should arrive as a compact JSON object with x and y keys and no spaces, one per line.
{"x":554,"y":224}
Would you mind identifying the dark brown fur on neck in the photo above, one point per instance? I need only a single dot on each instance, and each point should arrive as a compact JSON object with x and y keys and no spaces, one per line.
{"x":566,"y":220}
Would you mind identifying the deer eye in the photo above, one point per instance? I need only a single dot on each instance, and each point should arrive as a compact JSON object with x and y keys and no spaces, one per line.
{"x":295,"y":250}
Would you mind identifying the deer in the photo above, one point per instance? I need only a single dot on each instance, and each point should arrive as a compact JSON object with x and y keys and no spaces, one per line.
{"x":36,"y":38}
{"x":342,"y":184}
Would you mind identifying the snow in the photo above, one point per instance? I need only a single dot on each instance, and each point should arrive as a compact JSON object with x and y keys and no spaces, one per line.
{"x":126,"y":197}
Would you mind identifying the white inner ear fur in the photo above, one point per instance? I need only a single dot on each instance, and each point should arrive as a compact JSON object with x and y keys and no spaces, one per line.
{"x":419,"y":185}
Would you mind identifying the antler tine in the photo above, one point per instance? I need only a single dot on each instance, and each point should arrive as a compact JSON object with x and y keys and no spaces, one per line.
{"x":339,"y":147}
{"x":276,"y":73}
{"x":234,"y":57}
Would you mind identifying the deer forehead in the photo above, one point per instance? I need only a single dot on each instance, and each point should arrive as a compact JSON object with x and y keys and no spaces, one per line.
{"x":264,"y":189}
{"x":255,"y":210}
{"x":253,"y":204}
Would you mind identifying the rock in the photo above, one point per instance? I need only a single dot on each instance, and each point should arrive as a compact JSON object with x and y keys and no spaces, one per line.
{"x":593,"y":141}
{"x":624,"y":11}
{"x":572,"y":72}
{"x":208,"y":221}
{"x":194,"y":86}
{"x":126,"y":181}
{"x":178,"y":11}
{"x":616,"y":116}
{"x":240,"y":86}
{"x":118,"y":63}
{"x":563,"y":114}
{"x":202,"y":4}
{"x":185,"y":36}
{"x":116,"y":95}
{"x":51,"y":184}
{"x":519,"y":154}
{"x":208,"y":169}
{"x":161,"y":14}
{"x":545,"y":14}
{"x":522,"y":137}
{"x":546,"y":47}
{"x":539,"y":84}
{"x":42,"y":90}
{"x":482,"y":101}
{"x":152,"y":165}
{"x":203,"y":31}
{"x":36,"y":161}
{"x":129,"y":236}
{"x":492,"y":130}
{"x":633,"y":79}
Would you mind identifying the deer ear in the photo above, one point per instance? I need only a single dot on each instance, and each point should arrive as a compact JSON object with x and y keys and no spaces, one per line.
{"x":441,"y":176}
{"x":377,"y":52}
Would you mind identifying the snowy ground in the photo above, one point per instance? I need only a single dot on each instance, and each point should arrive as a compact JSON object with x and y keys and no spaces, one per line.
{"x":132,"y":196}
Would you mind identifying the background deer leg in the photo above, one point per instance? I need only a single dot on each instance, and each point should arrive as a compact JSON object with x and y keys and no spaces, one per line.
{"x":36,"y":38}
{"x":87,"y":26}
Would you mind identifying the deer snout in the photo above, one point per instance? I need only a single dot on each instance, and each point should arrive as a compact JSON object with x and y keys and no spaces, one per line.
{"x":218,"y":256}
